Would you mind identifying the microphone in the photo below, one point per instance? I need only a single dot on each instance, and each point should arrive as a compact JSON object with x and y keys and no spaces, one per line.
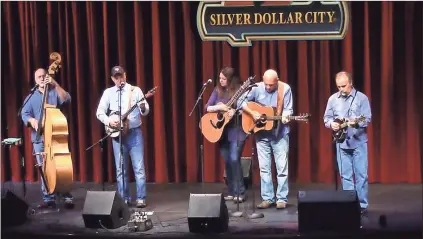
{"x":251,"y":86}
{"x":122,"y":84}
{"x":34,"y":88}
{"x":208,"y":82}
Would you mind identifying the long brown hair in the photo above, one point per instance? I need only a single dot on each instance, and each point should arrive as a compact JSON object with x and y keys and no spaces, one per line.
{"x":233,"y":83}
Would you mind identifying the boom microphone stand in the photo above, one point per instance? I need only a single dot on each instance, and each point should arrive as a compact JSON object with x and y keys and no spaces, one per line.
{"x":253,"y":215}
{"x":238,"y":213}
{"x":200,"y":115}
{"x":102,"y":150}
{"x":335,"y":165}
{"x":22,"y":142}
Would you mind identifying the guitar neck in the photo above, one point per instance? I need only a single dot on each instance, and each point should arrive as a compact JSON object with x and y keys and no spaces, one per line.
{"x":238,"y":93}
{"x":132,"y":109}
{"x":345,"y":124}
{"x":279,"y":117}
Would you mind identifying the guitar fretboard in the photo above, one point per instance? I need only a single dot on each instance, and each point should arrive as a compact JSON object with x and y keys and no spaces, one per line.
{"x":238,"y":93}
{"x":280,"y":117}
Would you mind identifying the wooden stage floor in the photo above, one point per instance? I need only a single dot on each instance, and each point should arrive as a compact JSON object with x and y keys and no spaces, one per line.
{"x":400,"y":203}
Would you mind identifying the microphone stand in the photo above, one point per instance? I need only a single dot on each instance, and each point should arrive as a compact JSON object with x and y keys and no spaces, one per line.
{"x":102,"y":155}
{"x":254,"y":214}
{"x":120,"y":140}
{"x":22,"y":143}
{"x":200,"y":115}
{"x":238,"y":213}
{"x":335,"y":165}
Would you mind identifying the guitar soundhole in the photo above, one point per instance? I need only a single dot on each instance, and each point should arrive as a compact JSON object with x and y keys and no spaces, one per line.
{"x":219,"y":124}
{"x":261,"y":122}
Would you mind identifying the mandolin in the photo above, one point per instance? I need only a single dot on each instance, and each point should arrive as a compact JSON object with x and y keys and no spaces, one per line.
{"x":114,"y":131}
{"x":267,"y":119}
{"x":212,"y":124}
{"x":340,"y":135}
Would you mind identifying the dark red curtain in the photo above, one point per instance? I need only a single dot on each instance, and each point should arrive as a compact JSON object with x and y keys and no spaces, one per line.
{"x":159,"y":45}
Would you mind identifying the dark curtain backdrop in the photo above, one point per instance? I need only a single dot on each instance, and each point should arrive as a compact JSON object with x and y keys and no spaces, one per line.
{"x":159,"y":45}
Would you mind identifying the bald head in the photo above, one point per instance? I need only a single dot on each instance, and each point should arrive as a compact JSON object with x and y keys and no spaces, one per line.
{"x":270,"y":74}
{"x":39,"y":76}
{"x":344,"y":83}
{"x":270,"y":80}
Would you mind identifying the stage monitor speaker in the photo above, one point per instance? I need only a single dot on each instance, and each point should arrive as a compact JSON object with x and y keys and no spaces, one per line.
{"x":207,"y":213}
{"x":105,"y":209}
{"x":14,"y":211}
{"x":328,"y":210}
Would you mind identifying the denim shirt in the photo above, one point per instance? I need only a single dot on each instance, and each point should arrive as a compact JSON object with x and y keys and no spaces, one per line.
{"x":339,"y":107}
{"x":260,"y":95}
{"x":32,"y":108}
{"x":110,"y":102}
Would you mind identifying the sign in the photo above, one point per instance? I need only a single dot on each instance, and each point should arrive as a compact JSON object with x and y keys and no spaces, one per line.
{"x":240,"y":22}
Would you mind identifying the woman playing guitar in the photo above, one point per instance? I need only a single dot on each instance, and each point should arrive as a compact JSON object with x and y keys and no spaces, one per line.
{"x":233,"y":138}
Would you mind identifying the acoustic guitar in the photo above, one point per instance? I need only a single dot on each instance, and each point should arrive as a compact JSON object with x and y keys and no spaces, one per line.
{"x":114,"y":131}
{"x":267,"y":119}
{"x":212,"y":124}
{"x":340,"y":135}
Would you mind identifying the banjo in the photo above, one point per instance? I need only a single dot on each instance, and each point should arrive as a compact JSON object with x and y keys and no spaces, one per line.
{"x":124,"y":124}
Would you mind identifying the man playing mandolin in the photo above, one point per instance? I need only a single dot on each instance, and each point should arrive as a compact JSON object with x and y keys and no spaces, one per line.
{"x":277,"y":94}
{"x":347,"y":105}
{"x":31,"y":114}
{"x":132,"y":139}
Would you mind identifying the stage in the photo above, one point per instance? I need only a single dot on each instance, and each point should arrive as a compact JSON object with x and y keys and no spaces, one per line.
{"x":400,"y":203}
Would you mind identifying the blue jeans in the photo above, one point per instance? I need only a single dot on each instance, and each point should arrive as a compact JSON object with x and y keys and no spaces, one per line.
{"x":39,"y":147}
{"x":133,"y":145}
{"x":354,"y":161}
{"x":266,"y":142}
{"x":231,"y":153}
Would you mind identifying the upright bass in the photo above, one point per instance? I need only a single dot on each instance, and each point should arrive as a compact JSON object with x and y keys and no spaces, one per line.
{"x":57,"y":161}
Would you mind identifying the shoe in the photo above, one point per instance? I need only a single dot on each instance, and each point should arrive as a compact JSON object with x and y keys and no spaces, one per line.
{"x":47,"y":205}
{"x":265,"y":204}
{"x":280,"y":205}
{"x":68,"y":204}
{"x":229,"y":198}
{"x":141,"y":203}
{"x":240,"y":199}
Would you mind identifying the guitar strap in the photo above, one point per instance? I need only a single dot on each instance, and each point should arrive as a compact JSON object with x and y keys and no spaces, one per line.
{"x":279,"y":105}
{"x":348,"y":112}
{"x":280,"y":98}
{"x":130,"y":96}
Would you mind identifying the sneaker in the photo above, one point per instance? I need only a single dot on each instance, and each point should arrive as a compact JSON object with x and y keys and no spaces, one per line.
{"x":229,"y":198}
{"x":46,"y":205}
{"x":240,"y":199}
{"x":68,"y":203}
{"x":141,"y":203}
{"x":127,"y":202}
